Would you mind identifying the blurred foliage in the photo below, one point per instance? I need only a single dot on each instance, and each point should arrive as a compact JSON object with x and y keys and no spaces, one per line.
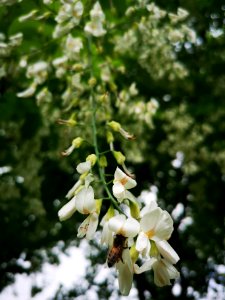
{"x":34,"y":178}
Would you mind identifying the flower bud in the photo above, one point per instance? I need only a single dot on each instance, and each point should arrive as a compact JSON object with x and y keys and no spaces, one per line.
{"x":134,"y":209}
{"x":103,"y":161}
{"x":120,"y":158}
{"x":92,"y":82}
{"x":92,"y":158}
{"x":77,"y":142}
{"x":114,"y":125}
{"x":109,"y":137}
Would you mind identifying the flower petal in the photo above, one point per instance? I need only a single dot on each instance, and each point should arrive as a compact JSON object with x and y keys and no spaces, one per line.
{"x":73,"y":189}
{"x":67,"y":210}
{"x":118,"y":190}
{"x":148,"y":208}
{"x":93,"y":224}
{"x":83,"y":228}
{"x":161,"y":274}
{"x":85,"y":202}
{"x":167,"y":251}
{"x":131,"y":227}
{"x":164,"y":227}
{"x":149,"y":220}
{"x":116,"y":223}
{"x":145,"y":267}
{"x":84,"y":167}
{"x":125,"y":278}
{"x":142,"y":242}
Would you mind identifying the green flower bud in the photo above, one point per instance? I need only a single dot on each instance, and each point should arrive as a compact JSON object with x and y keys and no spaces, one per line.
{"x":109,"y":137}
{"x":76,"y":143}
{"x":103,"y":161}
{"x":120,"y":158}
{"x":114,"y":125}
{"x":92,"y":82}
{"x":92,"y":158}
{"x":134,"y":209}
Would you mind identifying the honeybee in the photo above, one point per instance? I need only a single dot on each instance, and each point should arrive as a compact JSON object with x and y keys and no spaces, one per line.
{"x":115,"y":254}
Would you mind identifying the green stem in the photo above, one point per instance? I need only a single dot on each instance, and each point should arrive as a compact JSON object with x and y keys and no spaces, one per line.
{"x":94,"y":132}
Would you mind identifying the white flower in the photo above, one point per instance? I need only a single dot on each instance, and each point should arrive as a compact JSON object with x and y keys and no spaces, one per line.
{"x":96,"y":13}
{"x":77,"y":12}
{"x":128,"y":227}
{"x":67,"y":210}
{"x":95,"y":28}
{"x":88,"y":226}
{"x":29,"y":92}
{"x":60,"y":61}
{"x":157,"y":225}
{"x":121,"y":183}
{"x":85,"y":202}
{"x":164,"y":272}
{"x":182,"y":13}
{"x":73,"y":45}
{"x":61,"y":30}
{"x":38,"y":71}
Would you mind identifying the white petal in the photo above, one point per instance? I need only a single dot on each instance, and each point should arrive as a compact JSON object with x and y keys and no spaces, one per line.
{"x":107,"y":235}
{"x":161,"y":274}
{"x":125,"y":180}
{"x":73,"y":189}
{"x":118,"y":190}
{"x":85,"y":202}
{"x":142,"y":242}
{"x":89,"y":201}
{"x":127,"y":259}
{"x":131,"y":227}
{"x":93,"y":224}
{"x":125,"y":278}
{"x":67,"y":210}
{"x":145,"y":267}
{"x":167,"y":251}
{"x":164,"y":227}
{"x":173,"y":273}
{"x":28,"y":92}
{"x":83,"y":228}
{"x":84,"y":167}
{"x":149,"y":220}
{"x":116,"y":223}
{"x":148,"y":208}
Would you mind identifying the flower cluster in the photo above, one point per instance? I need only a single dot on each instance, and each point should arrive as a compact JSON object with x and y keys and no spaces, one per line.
{"x":146,"y":230}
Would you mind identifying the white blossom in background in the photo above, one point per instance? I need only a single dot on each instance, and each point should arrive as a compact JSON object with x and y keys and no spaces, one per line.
{"x":95,"y":26}
{"x":38,"y":72}
{"x":73,"y":46}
